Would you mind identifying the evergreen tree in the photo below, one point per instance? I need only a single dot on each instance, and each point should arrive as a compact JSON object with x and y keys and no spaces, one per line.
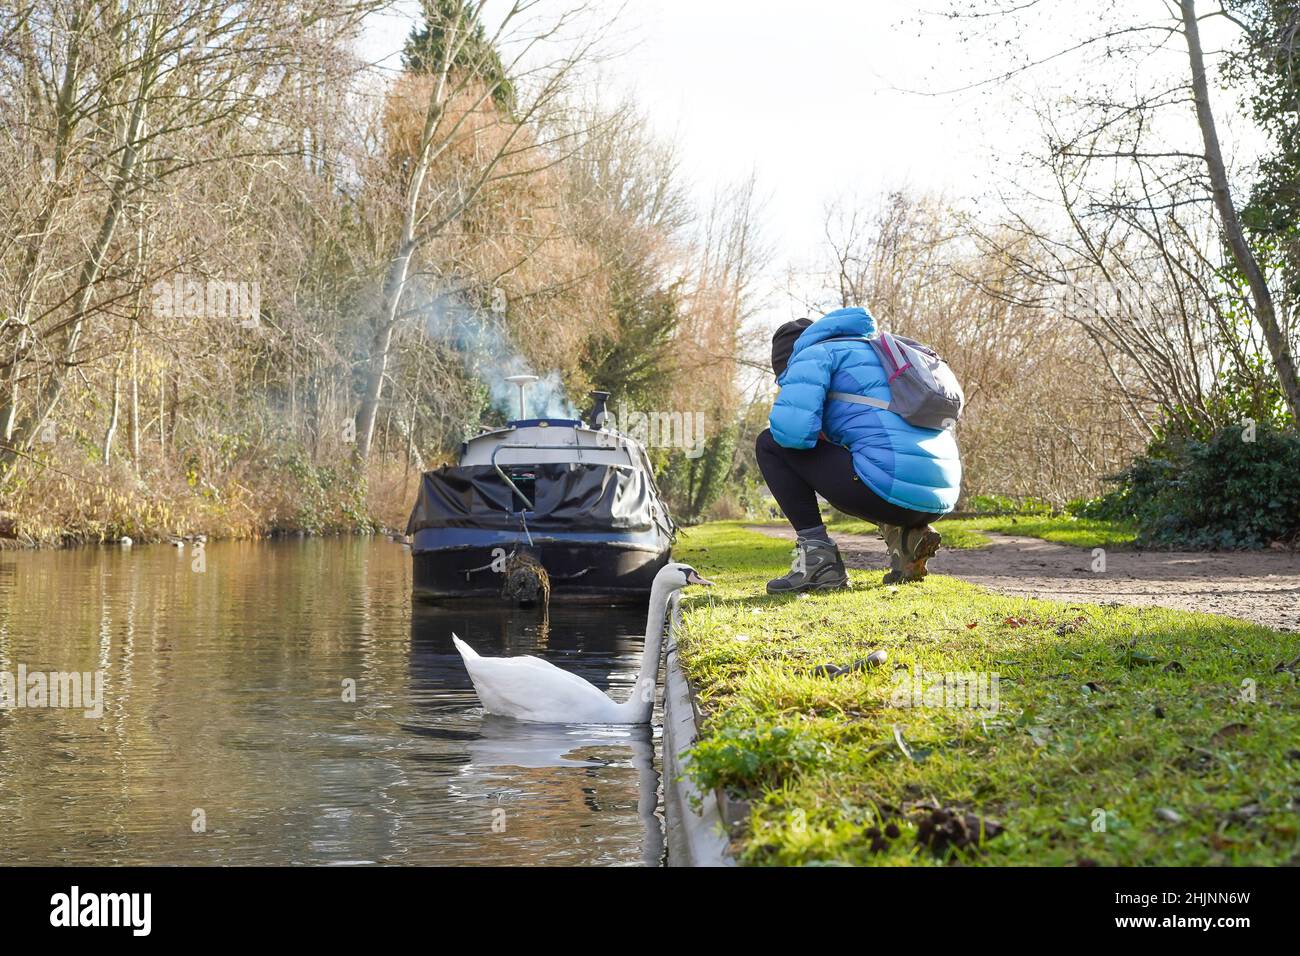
{"x":636,"y":358}
{"x":424,"y":49}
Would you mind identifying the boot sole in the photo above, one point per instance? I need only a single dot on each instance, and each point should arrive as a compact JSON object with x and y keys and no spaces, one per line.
{"x":827,"y":586}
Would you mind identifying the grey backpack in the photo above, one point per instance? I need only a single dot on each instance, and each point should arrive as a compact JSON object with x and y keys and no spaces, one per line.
{"x":922,"y":389}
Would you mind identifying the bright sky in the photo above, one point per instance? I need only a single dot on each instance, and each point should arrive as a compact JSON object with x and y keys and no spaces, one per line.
{"x":819,"y":99}
{"x":802,"y":97}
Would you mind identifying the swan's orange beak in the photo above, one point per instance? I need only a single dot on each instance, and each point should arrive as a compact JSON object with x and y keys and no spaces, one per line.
{"x":695,"y":578}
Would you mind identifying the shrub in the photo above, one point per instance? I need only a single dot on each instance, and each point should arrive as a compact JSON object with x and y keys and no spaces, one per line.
{"x":1227,"y":491}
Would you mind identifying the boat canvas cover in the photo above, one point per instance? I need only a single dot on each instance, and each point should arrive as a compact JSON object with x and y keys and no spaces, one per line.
{"x":567,"y":496}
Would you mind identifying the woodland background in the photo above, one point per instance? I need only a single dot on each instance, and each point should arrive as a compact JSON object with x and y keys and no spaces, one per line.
{"x":1125,"y":337}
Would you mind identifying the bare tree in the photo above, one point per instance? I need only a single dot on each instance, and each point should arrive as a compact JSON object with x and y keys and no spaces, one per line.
{"x":1150,"y":214}
{"x":457,"y":100}
{"x":1040,"y":420}
{"x":109,"y":119}
{"x":1230,"y":220}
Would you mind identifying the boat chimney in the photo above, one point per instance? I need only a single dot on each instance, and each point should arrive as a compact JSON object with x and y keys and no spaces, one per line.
{"x":523,"y":381}
{"x":598,"y":412}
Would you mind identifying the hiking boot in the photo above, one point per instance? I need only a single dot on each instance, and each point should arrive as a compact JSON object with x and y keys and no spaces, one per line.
{"x":817,"y":566}
{"x":892,"y":534}
{"x":909,"y":550}
{"x":916,"y":547}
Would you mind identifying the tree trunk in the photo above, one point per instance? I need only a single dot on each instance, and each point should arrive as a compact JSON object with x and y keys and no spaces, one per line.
{"x":162,"y":418}
{"x":1265,"y":313}
{"x":65,"y":127}
{"x":90,"y":269}
{"x":135,"y":402}
{"x":395,"y":281}
{"x":380,"y":346}
{"x":115,"y":411}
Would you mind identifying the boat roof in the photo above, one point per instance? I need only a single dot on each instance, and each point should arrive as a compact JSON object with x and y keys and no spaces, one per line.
{"x":536,"y":441}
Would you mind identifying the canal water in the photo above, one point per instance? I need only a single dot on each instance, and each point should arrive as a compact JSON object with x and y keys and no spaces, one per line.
{"x":285,"y":702}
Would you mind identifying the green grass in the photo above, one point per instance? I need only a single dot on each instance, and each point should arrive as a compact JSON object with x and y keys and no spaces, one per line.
{"x":1062,"y":529}
{"x":1094,"y":722}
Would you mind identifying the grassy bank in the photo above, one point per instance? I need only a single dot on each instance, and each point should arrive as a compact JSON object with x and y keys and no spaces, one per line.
{"x":1062,"y":529}
{"x":71,"y":502}
{"x":1120,"y":736}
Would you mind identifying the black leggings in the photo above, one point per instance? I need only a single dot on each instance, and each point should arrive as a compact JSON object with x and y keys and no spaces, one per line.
{"x":796,"y":476}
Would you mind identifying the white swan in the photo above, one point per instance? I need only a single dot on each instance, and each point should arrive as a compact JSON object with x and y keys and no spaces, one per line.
{"x":529,"y":688}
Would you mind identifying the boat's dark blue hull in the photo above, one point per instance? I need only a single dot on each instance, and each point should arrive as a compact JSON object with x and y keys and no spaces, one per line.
{"x":457,"y":563}
{"x":579,"y":501}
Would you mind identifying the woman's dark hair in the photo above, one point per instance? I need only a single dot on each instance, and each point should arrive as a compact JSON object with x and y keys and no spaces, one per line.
{"x":783,"y":340}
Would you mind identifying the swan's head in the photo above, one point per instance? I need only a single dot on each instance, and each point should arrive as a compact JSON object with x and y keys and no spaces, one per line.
{"x":678,"y":576}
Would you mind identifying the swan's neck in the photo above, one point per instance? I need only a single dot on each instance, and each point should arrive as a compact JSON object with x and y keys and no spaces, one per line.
{"x":641,"y":703}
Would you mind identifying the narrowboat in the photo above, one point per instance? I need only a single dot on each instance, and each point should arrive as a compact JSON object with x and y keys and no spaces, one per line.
{"x":571,"y":504}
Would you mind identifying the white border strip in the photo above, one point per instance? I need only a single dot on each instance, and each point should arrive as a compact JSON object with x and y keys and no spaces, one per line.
{"x":695,"y":837}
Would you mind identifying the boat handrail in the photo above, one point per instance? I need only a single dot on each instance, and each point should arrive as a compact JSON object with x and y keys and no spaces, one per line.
{"x":509,"y":481}
{"x":528,"y":505}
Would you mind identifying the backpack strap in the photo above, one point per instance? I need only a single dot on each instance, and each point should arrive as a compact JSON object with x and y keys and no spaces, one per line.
{"x":859,"y":399}
{"x":895,"y":355}
{"x":849,"y":396}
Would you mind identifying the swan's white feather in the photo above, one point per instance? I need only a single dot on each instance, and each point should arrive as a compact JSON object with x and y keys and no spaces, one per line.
{"x":529,"y":688}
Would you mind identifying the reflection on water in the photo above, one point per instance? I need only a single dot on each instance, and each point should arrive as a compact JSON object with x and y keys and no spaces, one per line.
{"x":225,"y":706}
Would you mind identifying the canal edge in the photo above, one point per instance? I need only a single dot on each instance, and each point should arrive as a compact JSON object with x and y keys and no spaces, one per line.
{"x":695,"y":837}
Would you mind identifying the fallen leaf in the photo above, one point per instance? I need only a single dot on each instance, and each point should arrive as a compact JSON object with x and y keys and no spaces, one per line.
{"x":1227,"y":732}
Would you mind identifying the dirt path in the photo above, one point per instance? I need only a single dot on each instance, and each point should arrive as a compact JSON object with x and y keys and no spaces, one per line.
{"x":1259,"y":586}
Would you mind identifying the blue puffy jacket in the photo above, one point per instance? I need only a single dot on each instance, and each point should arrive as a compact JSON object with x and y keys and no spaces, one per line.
{"x":916,"y":468}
